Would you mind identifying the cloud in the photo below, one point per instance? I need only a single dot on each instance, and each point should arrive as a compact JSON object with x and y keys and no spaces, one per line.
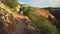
{"x":57,"y":0}
{"x":46,"y":3}
{"x":22,"y":3}
{"x":54,"y":3}
{"x":38,"y":3}
{"x":42,"y":3}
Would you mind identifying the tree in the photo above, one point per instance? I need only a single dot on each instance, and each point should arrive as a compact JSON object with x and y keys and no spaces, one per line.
{"x":10,"y":3}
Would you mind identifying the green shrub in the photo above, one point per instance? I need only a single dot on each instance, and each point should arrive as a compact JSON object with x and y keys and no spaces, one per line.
{"x":42,"y":23}
{"x":10,"y":3}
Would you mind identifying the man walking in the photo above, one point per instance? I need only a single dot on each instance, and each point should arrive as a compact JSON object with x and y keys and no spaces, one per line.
{"x":21,"y":10}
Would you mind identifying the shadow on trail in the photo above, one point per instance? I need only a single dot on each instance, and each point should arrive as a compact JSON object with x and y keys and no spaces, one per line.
{"x":17,"y":26}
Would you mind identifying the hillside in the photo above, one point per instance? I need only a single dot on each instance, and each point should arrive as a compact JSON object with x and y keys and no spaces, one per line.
{"x":34,"y":20}
{"x":40,"y":17}
{"x":56,"y":12}
{"x":13,"y":23}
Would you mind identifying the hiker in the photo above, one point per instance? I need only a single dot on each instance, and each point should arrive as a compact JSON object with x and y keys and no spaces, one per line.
{"x":21,"y":10}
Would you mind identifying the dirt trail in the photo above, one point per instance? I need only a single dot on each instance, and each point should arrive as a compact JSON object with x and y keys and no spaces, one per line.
{"x":14,"y":23}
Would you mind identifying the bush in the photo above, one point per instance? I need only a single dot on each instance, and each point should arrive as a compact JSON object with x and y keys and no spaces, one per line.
{"x":42,"y":23}
{"x":10,"y":3}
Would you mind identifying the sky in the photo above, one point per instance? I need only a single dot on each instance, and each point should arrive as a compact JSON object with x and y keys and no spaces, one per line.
{"x":41,"y":3}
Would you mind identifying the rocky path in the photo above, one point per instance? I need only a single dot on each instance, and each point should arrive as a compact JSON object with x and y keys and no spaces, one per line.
{"x":13,"y":23}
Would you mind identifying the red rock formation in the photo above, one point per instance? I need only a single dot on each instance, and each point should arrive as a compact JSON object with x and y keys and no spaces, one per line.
{"x":45,"y":13}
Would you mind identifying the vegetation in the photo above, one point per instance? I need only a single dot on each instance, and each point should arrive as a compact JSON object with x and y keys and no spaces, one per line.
{"x":43,"y":24}
{"x":10,"y":3}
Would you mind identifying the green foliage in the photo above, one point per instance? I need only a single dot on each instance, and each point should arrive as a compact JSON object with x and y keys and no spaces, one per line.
{"x":42,"y":23}
{"x":10,"y":3}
